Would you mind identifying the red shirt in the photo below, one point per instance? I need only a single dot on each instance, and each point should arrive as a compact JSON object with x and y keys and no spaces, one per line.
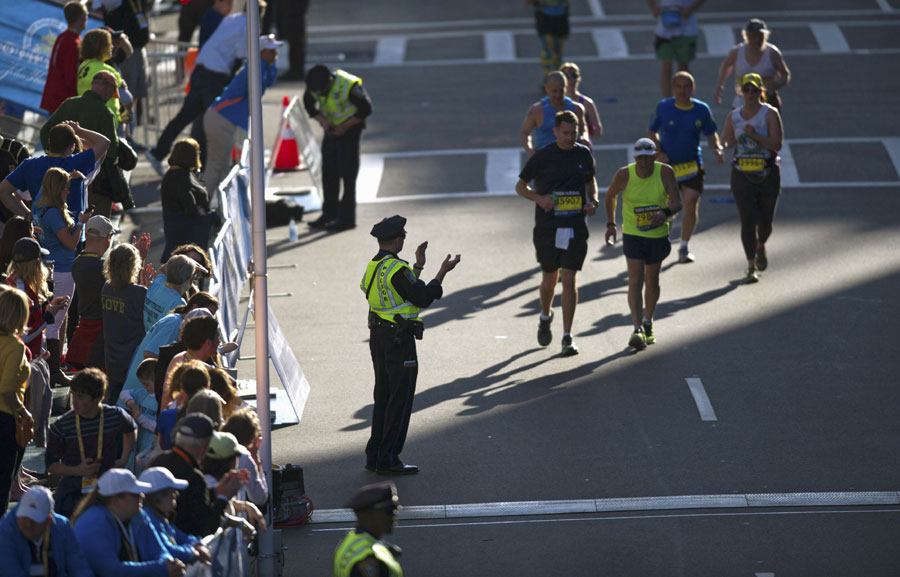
{"x":62,"y":79}
{"x":35,"y":318}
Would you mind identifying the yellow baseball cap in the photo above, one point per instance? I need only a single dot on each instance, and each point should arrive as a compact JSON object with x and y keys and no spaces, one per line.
{"x":752,"y":78}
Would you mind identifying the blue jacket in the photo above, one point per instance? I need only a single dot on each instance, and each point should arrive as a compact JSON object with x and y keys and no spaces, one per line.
{"x":232,"y":103}
{"x":176,"y":541}
{"x":15,"y":555}
{"x":98,"y":534}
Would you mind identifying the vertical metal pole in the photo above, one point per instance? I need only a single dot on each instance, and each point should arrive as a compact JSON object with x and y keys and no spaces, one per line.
{"x":266,"y":559}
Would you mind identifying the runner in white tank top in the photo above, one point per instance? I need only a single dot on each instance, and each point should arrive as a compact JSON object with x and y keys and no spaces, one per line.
{"x":754,"y":55}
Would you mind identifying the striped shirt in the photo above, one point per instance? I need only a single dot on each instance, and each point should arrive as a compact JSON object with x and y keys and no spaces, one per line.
{"x":62,"y":442}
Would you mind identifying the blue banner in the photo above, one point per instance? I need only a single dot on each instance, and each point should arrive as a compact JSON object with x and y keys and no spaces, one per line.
{"x":27,"y":34}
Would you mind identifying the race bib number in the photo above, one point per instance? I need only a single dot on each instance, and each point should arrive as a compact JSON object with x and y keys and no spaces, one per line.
{"x":685,"y":169}
{"x":567,"y":203}
{"x":643,"y":217}
{"x":751,"y":164}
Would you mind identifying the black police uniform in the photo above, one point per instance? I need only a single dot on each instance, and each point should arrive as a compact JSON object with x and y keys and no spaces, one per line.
{"x":393,"y":349}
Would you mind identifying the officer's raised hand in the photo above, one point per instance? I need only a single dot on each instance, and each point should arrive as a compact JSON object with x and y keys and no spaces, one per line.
{"x":446,"y":266}
{"x":420,"y":254}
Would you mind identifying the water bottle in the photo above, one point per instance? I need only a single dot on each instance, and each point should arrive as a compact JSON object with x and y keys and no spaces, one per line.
{"x":292,"y":230}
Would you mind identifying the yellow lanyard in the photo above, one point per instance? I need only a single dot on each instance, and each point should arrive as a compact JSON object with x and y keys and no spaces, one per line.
{"x":99,"y":437}
{"x":45,"y":547}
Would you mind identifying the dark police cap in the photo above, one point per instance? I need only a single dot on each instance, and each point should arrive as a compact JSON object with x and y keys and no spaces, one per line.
{"x":389,"y":228}
{"x":317,"y":77}
{"x":381,"y":495}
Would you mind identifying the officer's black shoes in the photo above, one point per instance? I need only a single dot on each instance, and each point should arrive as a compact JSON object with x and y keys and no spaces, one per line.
{"x":398,"y":469}
{"x":320,"y":222}
{"x":338,"y":225}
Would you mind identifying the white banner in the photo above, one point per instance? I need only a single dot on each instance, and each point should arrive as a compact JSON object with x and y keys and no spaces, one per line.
{"x":229,"y":557}
{"x":289,"y":371}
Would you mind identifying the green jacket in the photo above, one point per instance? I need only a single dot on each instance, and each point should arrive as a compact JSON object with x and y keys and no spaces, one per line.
{"x":89,"y":112}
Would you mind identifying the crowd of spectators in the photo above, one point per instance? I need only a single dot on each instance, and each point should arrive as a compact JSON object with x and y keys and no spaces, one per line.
{"x":150,"y":415}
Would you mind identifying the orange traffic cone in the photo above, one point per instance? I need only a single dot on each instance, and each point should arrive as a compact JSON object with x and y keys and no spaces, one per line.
{"x":287,"y":157}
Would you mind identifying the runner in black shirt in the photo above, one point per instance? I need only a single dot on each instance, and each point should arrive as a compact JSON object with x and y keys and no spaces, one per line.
{"x":564,"y":192}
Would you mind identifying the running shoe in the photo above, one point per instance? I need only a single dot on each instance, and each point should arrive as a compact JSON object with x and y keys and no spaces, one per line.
{"x":761,"y":260}
{"x":545,"y":336}
{"x":685,"y":256}
{"x":638,"y":340}
{"x":568,"y":347}
{"x":648,"y":332}
{"x":752,"y":276}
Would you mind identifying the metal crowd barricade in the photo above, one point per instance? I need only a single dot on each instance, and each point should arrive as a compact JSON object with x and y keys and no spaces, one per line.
{"x":167,"y":73}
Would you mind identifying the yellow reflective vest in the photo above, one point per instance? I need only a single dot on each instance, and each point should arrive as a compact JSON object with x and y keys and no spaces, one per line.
{"x":86,"y":71}
{"x":356,"y":547}
{"x":336,"y":105}
{"x":384,"y":300}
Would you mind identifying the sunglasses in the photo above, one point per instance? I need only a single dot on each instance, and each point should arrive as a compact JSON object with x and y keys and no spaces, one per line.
{"x":643,"y":147}
{"x":749,"y":88}
{"x":573,"y":75}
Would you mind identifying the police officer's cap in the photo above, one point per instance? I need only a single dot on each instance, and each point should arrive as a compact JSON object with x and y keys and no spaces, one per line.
{"x":389,"y":228}
{"x":381,"y":495}
{"x":317,"y":77}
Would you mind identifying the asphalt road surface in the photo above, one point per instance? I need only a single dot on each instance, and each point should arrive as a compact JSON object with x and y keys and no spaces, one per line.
{"x":759,"y":436}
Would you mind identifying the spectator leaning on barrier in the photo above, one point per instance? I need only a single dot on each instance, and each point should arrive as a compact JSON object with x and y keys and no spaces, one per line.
{"x":212,"y":72}
{"x":122,"y":301}
{"x":165,"y":331}
{"x":218,"y":464}
{"x":166,"y":291}
{"x":64,"y":151}
{"x":106,"y":526}
{"x":339,"y":103}
{"x":185,"y":200}
{"x":36,"y":541}
{"x":231,"y":112}
{"x":198,"y":255}
{"x":62,"y":73}
{"x":85,"y":441}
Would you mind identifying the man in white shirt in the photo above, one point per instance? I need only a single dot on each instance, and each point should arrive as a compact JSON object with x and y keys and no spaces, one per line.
{"x":213,"y":70}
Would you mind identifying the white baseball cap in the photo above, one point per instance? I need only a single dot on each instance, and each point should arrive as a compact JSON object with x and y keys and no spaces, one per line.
{"x":117,"y":481}
{"x":160,"y":478}
{"x":36,"y":504}
{"x":269,"y":43}
{"x":644,"y":147}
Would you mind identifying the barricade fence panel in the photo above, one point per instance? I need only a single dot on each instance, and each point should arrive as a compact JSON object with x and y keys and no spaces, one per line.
{"x":168,"y":72}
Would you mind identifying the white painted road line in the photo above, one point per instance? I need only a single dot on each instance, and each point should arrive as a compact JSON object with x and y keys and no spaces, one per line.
{"x":789,"y":175}
{"x":371,"y":169}
{"x":610,"y":43}
{"x":587,"y":506}
{"x":596,"y":8}
{"x":829,"y":37}
{"x":703,"y":405}
{"x":893,"y":149}
{"x":499,"y":46}
{"x":390,"y":50}
{"x":719,"y":39}
{"x":502,"y":169}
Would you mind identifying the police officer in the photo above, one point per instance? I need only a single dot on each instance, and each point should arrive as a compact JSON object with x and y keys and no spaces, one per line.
{"x":395,"y":295}
{"x":338,"y":102}
{"x":363,"y":553}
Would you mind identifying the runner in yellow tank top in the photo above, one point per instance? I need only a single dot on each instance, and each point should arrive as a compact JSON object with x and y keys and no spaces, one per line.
{"x":650,"y":197}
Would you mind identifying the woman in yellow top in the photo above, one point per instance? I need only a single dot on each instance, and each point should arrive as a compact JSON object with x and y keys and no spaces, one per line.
{"x":96,"y":50}
{"x":14,"y":371}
